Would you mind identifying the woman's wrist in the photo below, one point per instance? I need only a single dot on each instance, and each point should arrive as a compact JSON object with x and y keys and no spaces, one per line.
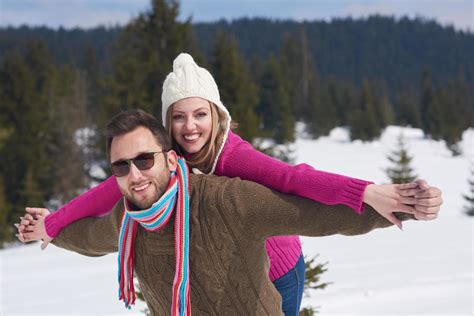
{"x":369,"y":194}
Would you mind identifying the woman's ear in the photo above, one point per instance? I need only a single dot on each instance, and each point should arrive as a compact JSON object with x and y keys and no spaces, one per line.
{"x":172,"y":160}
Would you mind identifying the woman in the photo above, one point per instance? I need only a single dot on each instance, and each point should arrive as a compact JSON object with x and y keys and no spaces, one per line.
{"x":200,"y":127}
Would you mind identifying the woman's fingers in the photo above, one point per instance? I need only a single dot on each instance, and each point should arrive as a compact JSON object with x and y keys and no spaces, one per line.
{"x":430,"y":193}
{"x":407,"y":200}
{"x":432,"y":202}
{"x":405,"y":209}
{"x":29,"y":237}
{"x":425,"y":216}
{"x":406,"y":186}
{"x":37,"y":211}
{"x":27,"y":223}
{"x":20,"y":237}
{"x":422,"y":184}
{"x":394,"y":220}
{"x":427,"y":209}
{"x":409,"y":192}
{"x":44,"y":244}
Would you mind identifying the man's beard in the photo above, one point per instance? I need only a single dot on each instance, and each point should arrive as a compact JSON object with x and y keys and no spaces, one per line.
{"x":142,"y":204}
{"x":159,"y":187}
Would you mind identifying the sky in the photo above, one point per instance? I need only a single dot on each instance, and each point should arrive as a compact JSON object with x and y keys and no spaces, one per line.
{"x":90,"y":13}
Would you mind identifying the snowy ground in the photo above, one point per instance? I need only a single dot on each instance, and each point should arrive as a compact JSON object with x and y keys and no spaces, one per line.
{"x":425,"y":270}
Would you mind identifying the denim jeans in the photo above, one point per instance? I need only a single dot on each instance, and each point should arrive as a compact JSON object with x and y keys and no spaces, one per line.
{"x":291,"y":286}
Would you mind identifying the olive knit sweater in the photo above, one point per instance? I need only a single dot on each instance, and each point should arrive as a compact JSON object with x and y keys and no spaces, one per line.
{"x":230,"y":220}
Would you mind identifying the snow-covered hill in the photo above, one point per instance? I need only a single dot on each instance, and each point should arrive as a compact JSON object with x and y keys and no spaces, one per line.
{"x":426,"y":269}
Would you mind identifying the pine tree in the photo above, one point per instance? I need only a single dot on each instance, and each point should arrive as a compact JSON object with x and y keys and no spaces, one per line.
{"x":400,"y":171}
{"x":274,"y":108}
{"x":237,"y":91}
{"x":92,"y":73}
{"x":26,"y":95}
{"x":308,"y":311}
{"x":385,"y":112}
{"x":451,"y":113}
{"x":469,"y":207}
{"x":363,"y":121}
{"x":426,"y":103}
{"x":408,"y":112}
{"x":321,"y":111}
{"x":30,"y":193}
{"x":69,"y":112}
{"x":313,"y":281}
{"x":435,"y":115}
{"x":336,"y":94}
{"x":144,"y":54}
{"x":300,"y":72}
{"x":5,"y":133}
{"x":5,"y":229}
{"x":350,"y":103}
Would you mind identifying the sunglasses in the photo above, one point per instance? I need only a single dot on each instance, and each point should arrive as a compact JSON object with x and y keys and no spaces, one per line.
{"x":143,"y":161}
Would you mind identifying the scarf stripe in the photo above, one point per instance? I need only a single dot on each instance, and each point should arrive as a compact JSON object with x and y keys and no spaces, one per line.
{"x":181,"y":282}
{"x":156,"y":217}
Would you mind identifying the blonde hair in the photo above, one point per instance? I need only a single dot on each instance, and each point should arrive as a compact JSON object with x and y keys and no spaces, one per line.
{"x":204,"y":158}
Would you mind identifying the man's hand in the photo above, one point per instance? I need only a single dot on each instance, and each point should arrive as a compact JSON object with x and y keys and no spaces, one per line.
{"x":427,"y":200}
{"x":32,"y":226}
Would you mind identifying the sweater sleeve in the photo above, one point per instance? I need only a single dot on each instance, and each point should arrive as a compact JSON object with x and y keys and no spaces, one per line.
{"x":240,"y":159}
{"x":92,"y":236}
{"x":265,"y":212}
{"x":96,"y":202}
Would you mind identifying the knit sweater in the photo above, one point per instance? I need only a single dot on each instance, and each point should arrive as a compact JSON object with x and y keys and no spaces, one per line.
{"x":230,"y":221}
{"x":238,"y":159}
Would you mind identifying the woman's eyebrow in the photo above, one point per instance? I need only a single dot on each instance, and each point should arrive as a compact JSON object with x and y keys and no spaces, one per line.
{"x":199,"y":109}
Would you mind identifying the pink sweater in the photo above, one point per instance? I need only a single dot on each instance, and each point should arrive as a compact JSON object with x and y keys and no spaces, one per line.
{"x":238,"y":159}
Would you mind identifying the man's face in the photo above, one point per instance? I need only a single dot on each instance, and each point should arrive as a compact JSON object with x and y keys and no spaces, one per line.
{"x":142,"y":187}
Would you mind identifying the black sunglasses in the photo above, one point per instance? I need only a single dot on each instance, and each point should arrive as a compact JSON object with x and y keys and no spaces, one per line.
{"x":143,"y":161}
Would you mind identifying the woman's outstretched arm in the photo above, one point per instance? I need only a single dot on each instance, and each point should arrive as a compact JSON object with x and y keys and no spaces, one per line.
{"x":240,"y":159}
{"x":98,"y":201}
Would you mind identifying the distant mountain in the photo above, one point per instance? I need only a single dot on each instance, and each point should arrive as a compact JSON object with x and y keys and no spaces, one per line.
{"x":66,"y":46}
{"x":380,"y":48}
{"x":385,"y":49}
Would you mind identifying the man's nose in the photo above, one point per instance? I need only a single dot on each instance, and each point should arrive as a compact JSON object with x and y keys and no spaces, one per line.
{"x":135,"y":173}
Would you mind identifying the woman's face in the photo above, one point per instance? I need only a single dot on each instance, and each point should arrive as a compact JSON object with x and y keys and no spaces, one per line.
{"x":191,"y":123}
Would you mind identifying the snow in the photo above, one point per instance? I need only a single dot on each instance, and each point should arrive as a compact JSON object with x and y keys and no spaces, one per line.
{"x":426,"y":269}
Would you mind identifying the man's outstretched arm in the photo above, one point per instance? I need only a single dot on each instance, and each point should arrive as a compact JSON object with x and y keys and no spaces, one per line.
{"x":90,"y":236}
{"x":269,"y":213}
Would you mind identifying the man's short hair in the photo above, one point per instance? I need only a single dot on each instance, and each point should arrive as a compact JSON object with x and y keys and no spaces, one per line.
{"x":127,"y":121}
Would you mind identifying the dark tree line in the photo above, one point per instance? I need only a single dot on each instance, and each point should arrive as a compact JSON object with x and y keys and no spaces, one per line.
{"x":378,"y":48}
{"x":383,"y":49}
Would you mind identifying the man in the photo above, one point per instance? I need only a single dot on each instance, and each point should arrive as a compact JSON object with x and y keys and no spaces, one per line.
{"x":222,"y":232}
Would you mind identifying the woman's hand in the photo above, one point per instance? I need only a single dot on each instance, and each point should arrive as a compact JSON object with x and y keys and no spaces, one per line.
{"x":32,"y":226}
{"x":387,"y":199}
{"x":416,"y":198}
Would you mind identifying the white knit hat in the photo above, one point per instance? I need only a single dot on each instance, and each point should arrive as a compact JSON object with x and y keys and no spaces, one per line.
{"x":189,"y":80}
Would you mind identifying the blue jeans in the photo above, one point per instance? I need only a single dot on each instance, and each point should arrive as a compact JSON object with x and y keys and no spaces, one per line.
{"x":291,"y":286}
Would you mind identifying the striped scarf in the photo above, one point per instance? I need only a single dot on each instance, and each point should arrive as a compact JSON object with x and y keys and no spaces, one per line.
{"x":154,"y":218}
